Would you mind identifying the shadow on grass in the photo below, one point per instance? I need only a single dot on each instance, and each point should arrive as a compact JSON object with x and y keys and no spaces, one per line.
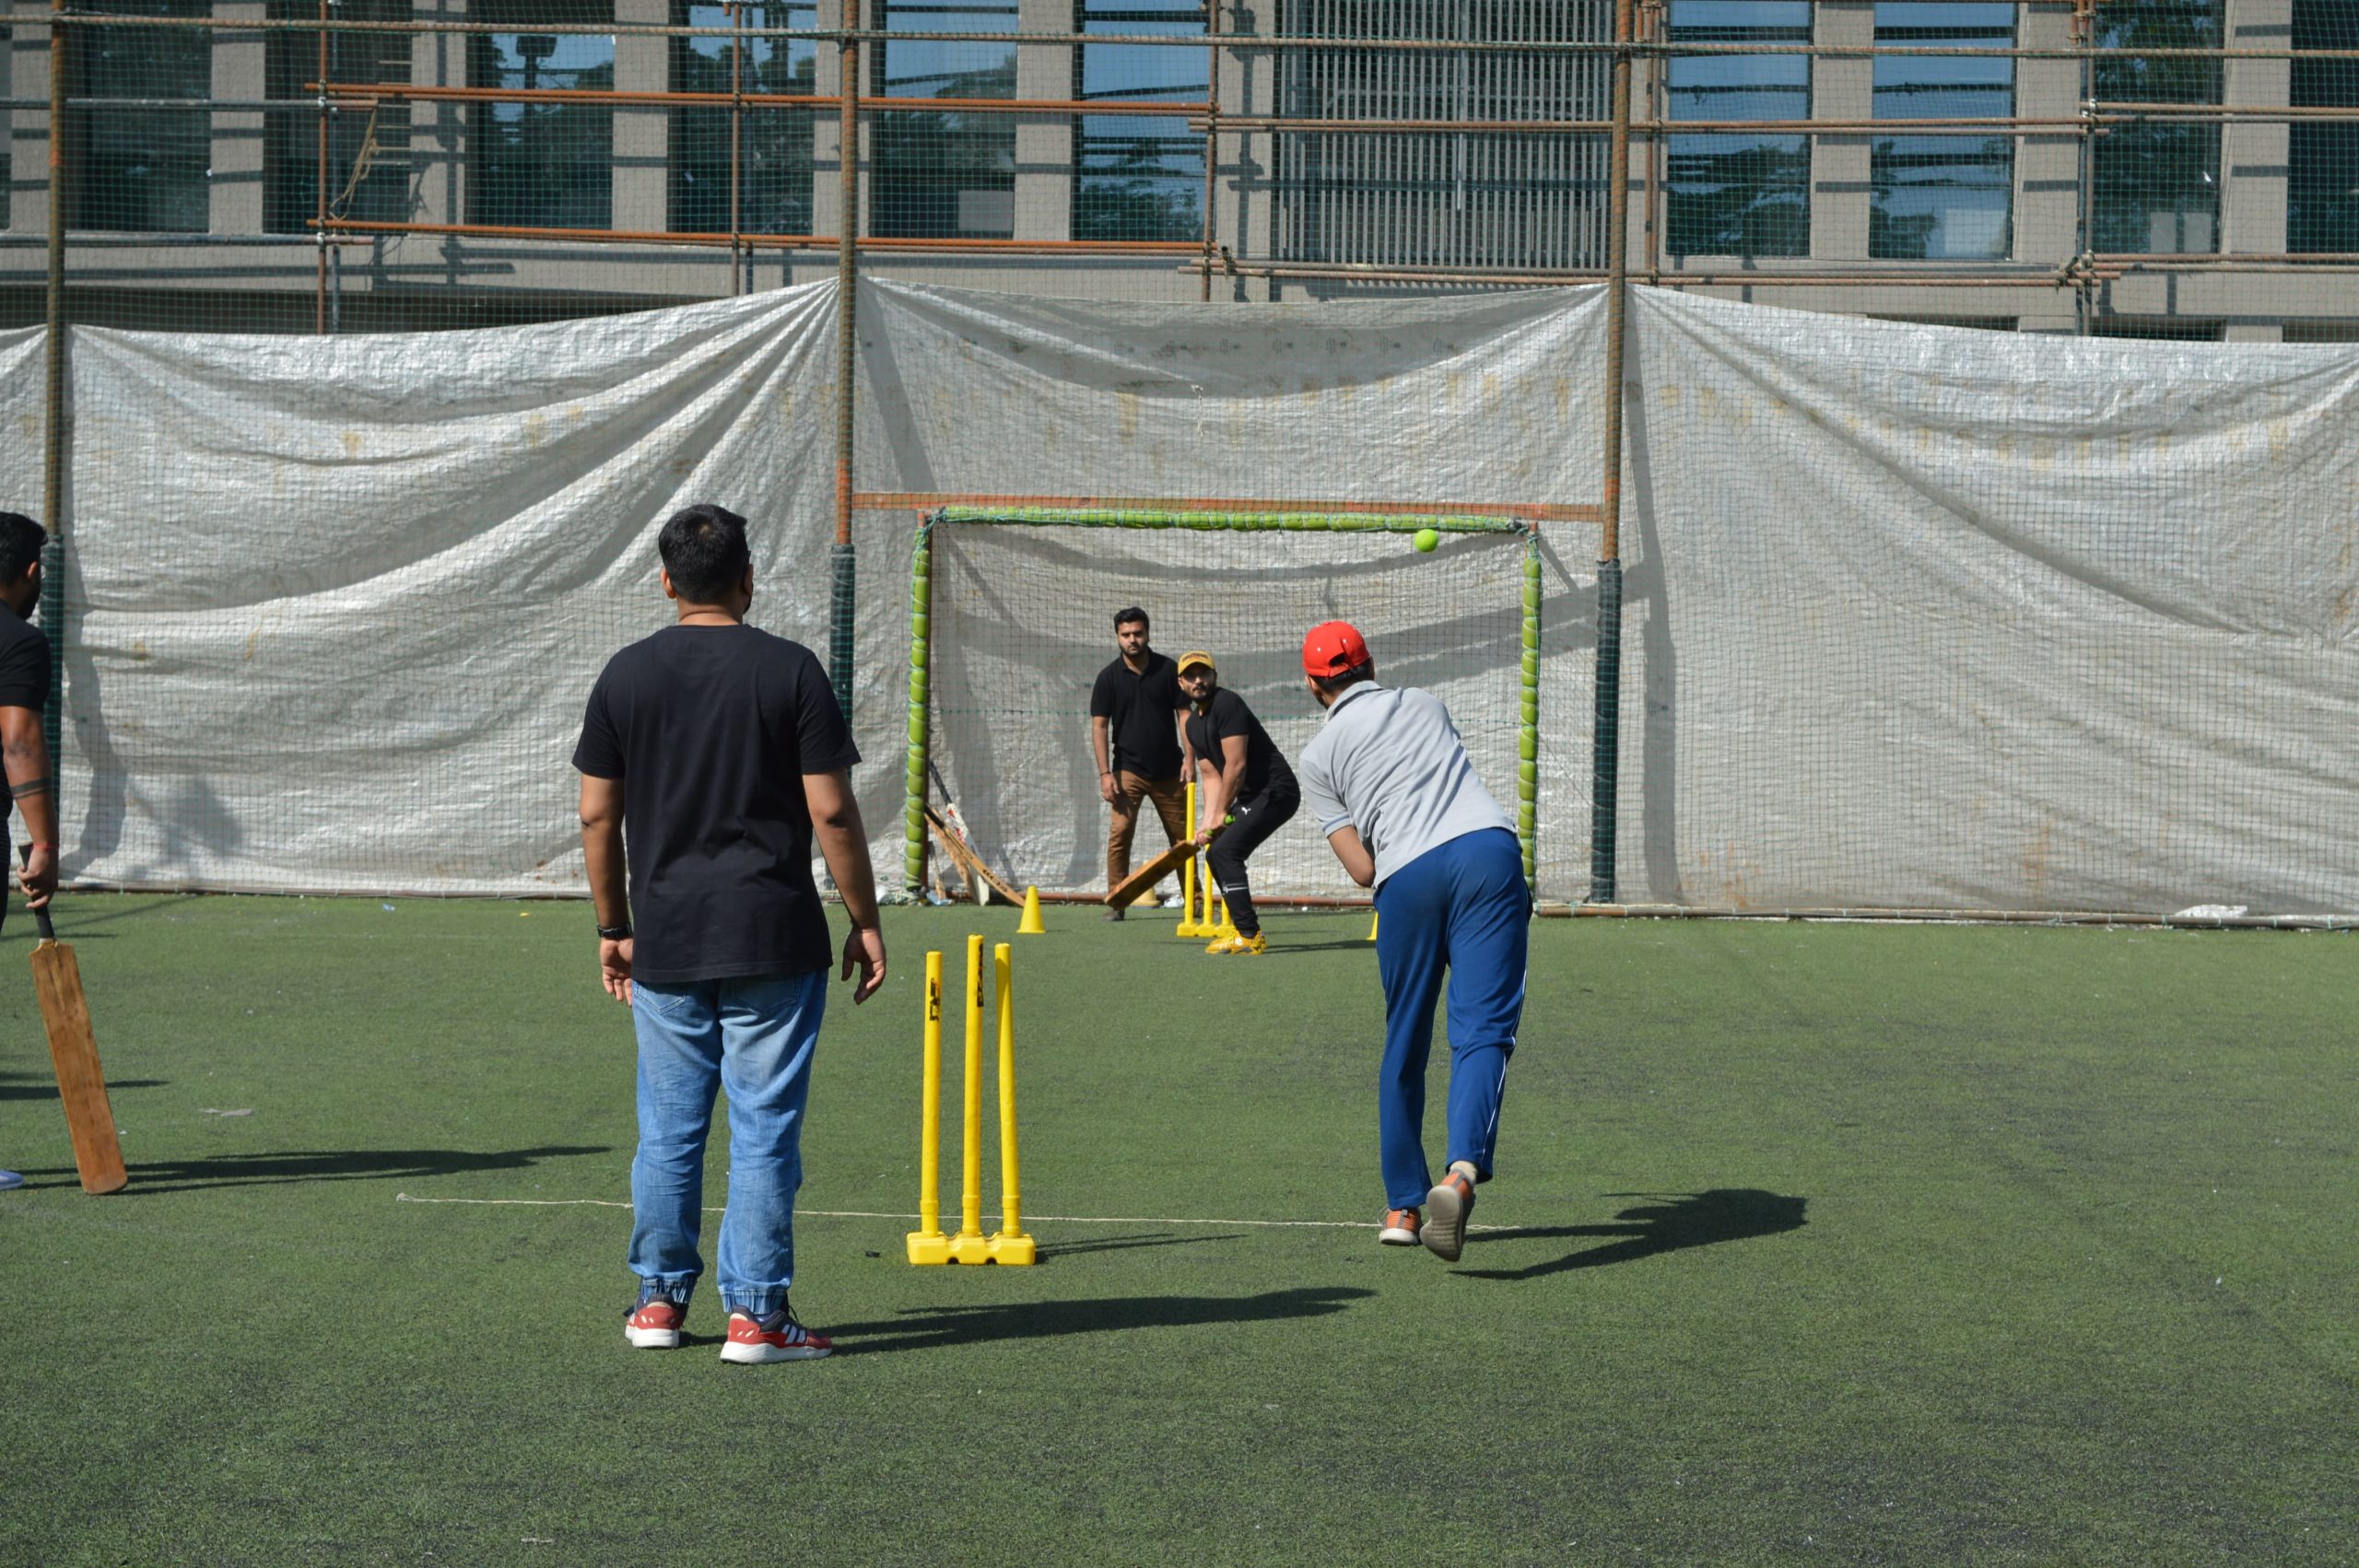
{"x":1665,"y":1224}
{"x":1123,"y":1244}
{"x":329,"y":1165}
{"x":1360,"y":944}
{"x":922,"y":1328}
{"x":41,"y":1087}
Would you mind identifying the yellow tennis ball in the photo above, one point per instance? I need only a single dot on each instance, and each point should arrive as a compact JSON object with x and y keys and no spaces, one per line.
{"x":1426,"y":540}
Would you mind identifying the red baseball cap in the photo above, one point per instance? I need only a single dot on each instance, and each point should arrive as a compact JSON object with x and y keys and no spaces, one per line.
{"x":1332,"y":647}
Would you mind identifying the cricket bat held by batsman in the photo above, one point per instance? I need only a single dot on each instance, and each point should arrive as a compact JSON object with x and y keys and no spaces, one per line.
{"x":81,"y":1087}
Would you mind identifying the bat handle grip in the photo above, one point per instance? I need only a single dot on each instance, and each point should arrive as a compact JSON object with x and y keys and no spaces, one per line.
{"x":40,"y":916}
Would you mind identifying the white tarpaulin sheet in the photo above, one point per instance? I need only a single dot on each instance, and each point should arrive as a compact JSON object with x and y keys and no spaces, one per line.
{"x":1929,"y":617}
{"x":1915,"y":617}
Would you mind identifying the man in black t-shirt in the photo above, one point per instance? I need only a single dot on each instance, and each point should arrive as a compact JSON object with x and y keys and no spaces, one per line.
{"x":24,"y":694}
{"x":1135,"y":733}
{"x":1243,"y":781}
{"x":715,"y":754}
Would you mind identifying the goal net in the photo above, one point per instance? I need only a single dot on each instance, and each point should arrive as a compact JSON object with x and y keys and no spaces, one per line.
{"x":1012,"y":618}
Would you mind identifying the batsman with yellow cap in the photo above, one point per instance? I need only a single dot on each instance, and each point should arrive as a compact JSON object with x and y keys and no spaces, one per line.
{"x":1243,"y":781}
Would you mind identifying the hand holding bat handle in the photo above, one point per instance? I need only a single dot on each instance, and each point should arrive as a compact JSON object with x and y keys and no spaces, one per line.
{"x":40,"y":915}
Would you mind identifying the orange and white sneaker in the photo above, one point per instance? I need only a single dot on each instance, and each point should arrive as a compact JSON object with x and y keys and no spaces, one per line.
{"x":1255,"y":943}
{"x":778,"y":1337}
{"x":1399,"y":1228}
{"x":656,"y":1325}
{"x":1447,"y":1207}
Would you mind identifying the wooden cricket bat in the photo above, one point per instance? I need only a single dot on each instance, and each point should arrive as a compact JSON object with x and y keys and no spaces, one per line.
{"x":81,"y":1087}
{"x":969,"y":862}
{"x":1134,"y":885}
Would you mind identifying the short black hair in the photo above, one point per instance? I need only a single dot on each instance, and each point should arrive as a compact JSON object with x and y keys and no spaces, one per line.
{"x":704,"y":549}
{"x":1344,"y":680}
{"x":20,"y":542}
{"x":1124,"y":618}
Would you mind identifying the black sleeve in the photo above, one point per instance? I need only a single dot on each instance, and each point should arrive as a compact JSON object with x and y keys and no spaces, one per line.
{"x":1228,"y":717}
{"x":1199,"y":732}
{"x":599,"y":753}
{"x":1101,"y":695}
{"x":820,"y":733}
{"x":24,"y":673}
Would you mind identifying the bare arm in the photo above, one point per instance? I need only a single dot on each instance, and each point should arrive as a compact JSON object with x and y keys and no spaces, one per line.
{"x":1105,"y":790}
{"x":1359,"y":864}
{"x":26,"y":752}
{"x":601,"y":856}
{"x":843,"y":844}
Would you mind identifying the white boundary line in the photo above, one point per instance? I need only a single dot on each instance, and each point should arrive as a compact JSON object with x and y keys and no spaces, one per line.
{"x":867,"y":1214}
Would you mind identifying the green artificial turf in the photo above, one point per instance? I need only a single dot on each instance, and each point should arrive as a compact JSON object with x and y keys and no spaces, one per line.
{"x":1820,"y":1243}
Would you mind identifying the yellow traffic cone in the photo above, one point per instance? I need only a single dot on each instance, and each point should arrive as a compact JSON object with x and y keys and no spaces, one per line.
{"x":1373,"y":921}
{"x":1030,"y":925}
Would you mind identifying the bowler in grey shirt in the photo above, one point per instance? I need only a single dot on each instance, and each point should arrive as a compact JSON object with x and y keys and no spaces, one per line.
{"x":1390,"y":784}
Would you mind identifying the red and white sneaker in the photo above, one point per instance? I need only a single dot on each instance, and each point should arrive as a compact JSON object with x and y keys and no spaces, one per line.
{"x":1447,"y":1207}
{"x":778,"y":1338}
{"x":655,"y":1325}
{"x":1399,"y":1228}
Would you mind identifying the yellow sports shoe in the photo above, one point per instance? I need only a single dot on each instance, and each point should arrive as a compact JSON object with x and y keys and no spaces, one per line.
{"x":1240,"y":943}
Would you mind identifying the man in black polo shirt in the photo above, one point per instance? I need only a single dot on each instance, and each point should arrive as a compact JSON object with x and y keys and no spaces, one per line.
{"x":1244,"y":782}
{"x":1135,"y":731}
{"x":716,"y":754}
{"x":24,"y":692}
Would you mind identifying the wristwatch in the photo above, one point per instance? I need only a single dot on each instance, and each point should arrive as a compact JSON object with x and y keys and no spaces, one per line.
{"x":615,"y":933}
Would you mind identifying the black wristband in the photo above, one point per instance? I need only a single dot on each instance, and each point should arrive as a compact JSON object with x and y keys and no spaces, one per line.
{"x":614,"y":934}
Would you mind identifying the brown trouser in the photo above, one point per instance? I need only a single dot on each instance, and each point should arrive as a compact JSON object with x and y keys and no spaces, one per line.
{"x":1170,"y":798}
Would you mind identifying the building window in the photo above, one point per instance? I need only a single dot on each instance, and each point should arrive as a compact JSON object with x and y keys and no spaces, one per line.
{"x":943,"y":173}
{"x":2158,"y":329}
{"x":1746,"y":194}
{"x":1944,"y":197}
{"x":1448,"y":198}
{"x":1138,"y":177}
{"x":2322,"y":189}
{"x":2157,"y":181}
{"x":546,"y":164}
{"x":141,"y":170}
{"x":368,"y":170}
{"x":773,"y":146}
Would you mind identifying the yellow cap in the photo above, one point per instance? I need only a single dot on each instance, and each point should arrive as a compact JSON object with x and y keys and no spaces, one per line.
{"x":1194,"y":657}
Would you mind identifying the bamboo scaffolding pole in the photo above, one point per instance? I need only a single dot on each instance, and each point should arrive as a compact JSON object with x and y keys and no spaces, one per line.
{"x":1187,"y":248}
{"x":1212,"y":145}
{"x":320,"y":185}
{"x":1666,"y":277}
{"x":736,"y":150}
{"x":363,"y":94}
{"x":847,"y":176}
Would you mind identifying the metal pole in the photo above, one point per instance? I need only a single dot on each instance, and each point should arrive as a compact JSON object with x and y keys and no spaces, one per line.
{"x":1606,"y":741}
{"x":52,"y":613}
{"x":841,"y":565}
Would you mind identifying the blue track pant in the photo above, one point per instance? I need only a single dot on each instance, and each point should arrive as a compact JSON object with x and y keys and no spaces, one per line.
{"x":1460,"y":906}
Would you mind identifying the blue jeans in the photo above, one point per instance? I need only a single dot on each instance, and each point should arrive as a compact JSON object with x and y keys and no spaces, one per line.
{"x":1462,"y":907}
{"x":754,"y":1038}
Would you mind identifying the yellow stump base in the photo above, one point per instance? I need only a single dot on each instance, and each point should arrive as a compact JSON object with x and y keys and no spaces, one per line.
{"x":929,"y":1246}
{"x":970,"y":1250}
{"x":1011,"y":1249}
